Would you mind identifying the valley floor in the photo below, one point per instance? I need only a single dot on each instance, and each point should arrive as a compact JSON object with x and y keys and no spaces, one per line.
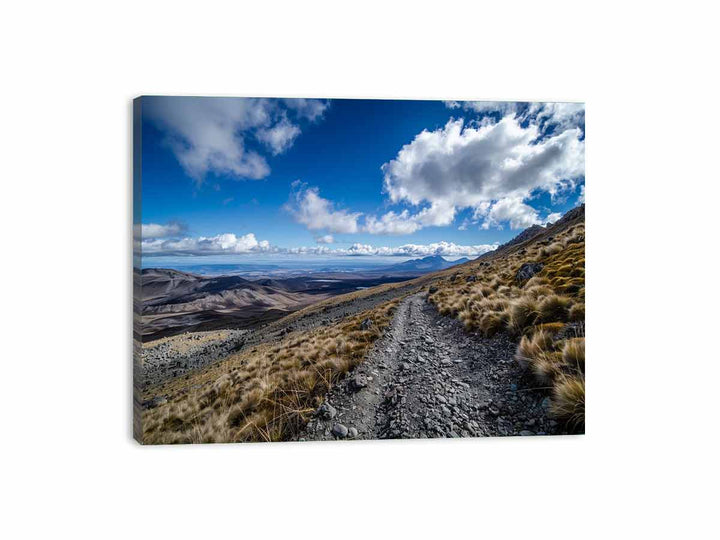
{"x":427,"y":377}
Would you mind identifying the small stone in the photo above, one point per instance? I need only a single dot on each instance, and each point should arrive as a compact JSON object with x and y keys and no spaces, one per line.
{"x":546,"y":403}
{"x":358,"y":382}
{"x":156,"y":402}
{"x":366,"y":324}
{"x":352,"y":433}
{"x":526,"y":433}
{"x":340,"y":431}
{"x":326,"y":411}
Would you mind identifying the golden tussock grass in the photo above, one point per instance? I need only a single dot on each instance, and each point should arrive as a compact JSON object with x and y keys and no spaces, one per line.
{"x":266,"y":393}
{"x":568,"y":401}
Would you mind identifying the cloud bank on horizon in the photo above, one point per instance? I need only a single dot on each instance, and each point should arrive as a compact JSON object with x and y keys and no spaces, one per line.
{"x":247,"y":244}
{"x":481,"y":171}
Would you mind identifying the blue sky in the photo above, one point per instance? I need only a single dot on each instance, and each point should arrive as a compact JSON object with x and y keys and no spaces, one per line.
{"x":251,"y":177}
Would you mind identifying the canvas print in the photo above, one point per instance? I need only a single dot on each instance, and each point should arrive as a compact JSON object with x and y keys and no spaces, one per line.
{"x":343,"y":269}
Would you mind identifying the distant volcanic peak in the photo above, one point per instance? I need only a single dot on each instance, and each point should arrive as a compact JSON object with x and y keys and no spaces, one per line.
{"x":430,"y":263}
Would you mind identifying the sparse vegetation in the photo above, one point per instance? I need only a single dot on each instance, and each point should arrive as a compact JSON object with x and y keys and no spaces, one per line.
{"x":547,"y":312}
{"x":269,"y":391}
{"x":266,"y":393}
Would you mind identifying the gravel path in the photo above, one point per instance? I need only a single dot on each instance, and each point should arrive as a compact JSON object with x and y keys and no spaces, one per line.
{"x":426,"y":378}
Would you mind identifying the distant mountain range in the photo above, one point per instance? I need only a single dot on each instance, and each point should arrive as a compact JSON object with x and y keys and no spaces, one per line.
{"x":431,"y":263}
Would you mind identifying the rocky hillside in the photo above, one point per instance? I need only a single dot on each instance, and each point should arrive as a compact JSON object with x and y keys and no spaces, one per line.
{"x":533,"y":291}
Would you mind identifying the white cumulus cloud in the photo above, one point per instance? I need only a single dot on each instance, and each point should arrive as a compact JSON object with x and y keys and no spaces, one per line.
{"x":155,"y":230}
{"x":493,"y":168}
{"x":392,"y":223}
{"x":512,"y":210}
{"x":310,"y":109}
{"x":317,"y":214}
{"x":210,"y":134}
{"x":280,"y":137}
{"x":552,"y":218}
{"x":484,"y":106}
{"x":563,"y":115}
{"x":203,"y":245}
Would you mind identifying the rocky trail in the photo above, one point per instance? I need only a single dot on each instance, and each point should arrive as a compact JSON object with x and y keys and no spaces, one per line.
{"x":427,"y":378}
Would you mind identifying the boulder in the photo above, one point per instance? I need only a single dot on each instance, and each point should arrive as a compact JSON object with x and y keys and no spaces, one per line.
{"x":528,"y":270}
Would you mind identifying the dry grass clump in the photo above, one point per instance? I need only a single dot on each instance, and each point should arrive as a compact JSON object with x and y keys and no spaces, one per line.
{"x":524,"y":313}
{"x":573,"y":354}
{"x":577,"y":313}
{"x":560,"y":365}
{"x":552,"y":249}
{"x":488,"y":300}
{"x":568,"y":402}
{"x":554,"y":308}
{"x":532,"y":347}
{"x":267,"y":393}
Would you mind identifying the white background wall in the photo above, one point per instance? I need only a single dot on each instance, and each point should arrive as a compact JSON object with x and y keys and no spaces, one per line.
{"x":646,"y":468}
